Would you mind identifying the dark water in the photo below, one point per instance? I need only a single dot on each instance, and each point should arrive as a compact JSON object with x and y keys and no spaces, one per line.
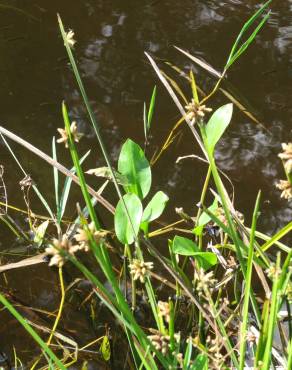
{"x":111,"y":39}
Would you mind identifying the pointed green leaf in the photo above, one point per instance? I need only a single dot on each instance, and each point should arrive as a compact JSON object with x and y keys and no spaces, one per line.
{"x":135,"y":167}
{"x":194,"y":87}
{"x":126,"y":231}
{"x":145,"y":121}
{"x":184,"y":246}
{"x":217,"y":124}
{"x":151,"y":109}
{"x":205,"y":259}
{"x":155,"y":207}
{"x":187,"y":247}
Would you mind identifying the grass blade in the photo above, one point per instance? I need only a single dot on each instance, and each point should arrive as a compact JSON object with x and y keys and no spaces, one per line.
{"x":31,"y":331}
{"x":245,"y":27}
{"x":56,"y":178}
{"x":245,"y":310}
{"x":194,"y":87}
{"x":285,"y":230}
{"x":151,"y":108}
{"x":246,"y":44}
{"x":66,"y":188}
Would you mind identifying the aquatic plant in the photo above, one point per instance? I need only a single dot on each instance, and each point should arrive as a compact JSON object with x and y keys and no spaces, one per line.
{"x":213,"y":319}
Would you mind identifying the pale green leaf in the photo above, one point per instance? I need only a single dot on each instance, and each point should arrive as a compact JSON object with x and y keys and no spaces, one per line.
{"x":127,"y":230}
{"x":217,"y":125}
{"x":135,"y":167}
{"x":187,"y":247}
{"x":155,"y":207}
{"x":184,"y":246}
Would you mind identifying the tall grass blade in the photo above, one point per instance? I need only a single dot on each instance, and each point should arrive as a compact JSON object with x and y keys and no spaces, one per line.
{"x":56,"y":178}
{"x":272,"y":317}
{"x":280,"y":234}
{"x":31,"y":331}
{"x":194,"y":87}
{"x":246,"y":44}
{"x":234,"y":50}
{"x":90,"y":112}
{"x":145,"y":125}
{"x":67,"y":187}
{"x":245,"y":310}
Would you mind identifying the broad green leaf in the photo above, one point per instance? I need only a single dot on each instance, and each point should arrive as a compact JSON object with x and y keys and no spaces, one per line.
{"x":105,"y":348}
{"x":155,"y":207}
{"x":205,"y":259}
{"x":40,"y":233}
{"x":217,"y":124}
{"x":126,"y":230}
{"x":184,"y":246}
{"x":198,"y":230}
{"x":187,"y":247}
{"x":135,"y":167}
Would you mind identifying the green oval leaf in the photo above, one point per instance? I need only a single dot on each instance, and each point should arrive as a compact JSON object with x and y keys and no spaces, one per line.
{"x":205,"y":259}
{"x":155,"y":207}
{"x":184,"y":246}
{"x":217,"y":124}
{"x":135,"y":167}
{"x":187,"y":247}
{"x":126,"y":230}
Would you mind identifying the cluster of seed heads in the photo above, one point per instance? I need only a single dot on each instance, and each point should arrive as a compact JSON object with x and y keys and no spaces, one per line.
{"x":205,"y":282}
{"x":164,"y":310}
{"x":59,"y":248}
{"x":285,"y":185}
{"x":65,"y":137}
{"x":140,"y":269}
{"x":195,"y":111}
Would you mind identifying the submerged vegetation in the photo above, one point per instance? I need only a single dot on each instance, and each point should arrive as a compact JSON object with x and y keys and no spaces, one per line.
{"x":199,"y":291}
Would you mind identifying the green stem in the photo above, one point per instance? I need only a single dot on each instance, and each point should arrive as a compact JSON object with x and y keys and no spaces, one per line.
{"x":243,"y":330}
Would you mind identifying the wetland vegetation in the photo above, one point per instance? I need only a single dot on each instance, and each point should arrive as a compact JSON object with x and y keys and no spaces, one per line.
{"x":210,"y":290}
